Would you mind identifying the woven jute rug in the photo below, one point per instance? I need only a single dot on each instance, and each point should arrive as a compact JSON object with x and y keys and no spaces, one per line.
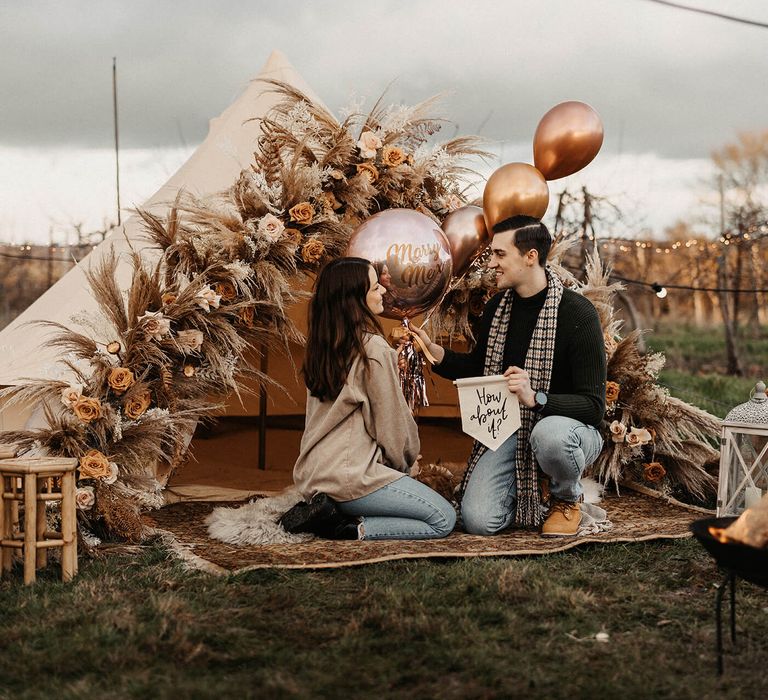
{"x":635,"y":515}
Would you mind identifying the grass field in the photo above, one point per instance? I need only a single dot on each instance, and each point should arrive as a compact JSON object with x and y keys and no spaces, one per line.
{"x":137,"y":625}
{"x":696,"y":361}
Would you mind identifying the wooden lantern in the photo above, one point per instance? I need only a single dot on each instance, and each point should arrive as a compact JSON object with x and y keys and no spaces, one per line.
{"x":743,"y":477}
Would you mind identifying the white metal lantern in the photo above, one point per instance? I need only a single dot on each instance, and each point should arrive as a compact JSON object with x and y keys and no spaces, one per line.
{"x":744,"y":455}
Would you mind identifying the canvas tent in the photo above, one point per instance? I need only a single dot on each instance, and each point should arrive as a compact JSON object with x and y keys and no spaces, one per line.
{"x":213,"y":167}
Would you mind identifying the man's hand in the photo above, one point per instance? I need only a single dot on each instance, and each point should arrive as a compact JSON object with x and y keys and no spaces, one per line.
{"x":519,"y":383}
{"x":436,"y":350}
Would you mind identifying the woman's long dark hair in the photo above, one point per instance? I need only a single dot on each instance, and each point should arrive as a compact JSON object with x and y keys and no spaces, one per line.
{"x":338,"y":319}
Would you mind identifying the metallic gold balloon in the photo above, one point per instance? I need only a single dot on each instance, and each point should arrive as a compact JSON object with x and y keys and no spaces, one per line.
{"x":567,"y":138}
{"x":411,"y":256}
{"x":513,"y":189}
{"x":467,"y":236}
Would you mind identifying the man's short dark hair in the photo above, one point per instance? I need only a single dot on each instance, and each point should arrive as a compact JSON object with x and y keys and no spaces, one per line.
{"x":530,"y":234}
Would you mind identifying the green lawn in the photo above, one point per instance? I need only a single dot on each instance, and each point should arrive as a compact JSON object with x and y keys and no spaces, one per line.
{"x":140,"y":626}
{"x":696,"y":361}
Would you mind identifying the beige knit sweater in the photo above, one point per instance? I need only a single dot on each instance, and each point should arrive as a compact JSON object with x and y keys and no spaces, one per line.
{"x":364,"y":439}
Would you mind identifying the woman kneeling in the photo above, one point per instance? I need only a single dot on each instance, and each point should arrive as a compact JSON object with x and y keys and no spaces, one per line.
{"x":360,"y":439}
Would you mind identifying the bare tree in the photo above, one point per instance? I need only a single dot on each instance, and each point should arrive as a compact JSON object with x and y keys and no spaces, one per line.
{"x":742,"y":176}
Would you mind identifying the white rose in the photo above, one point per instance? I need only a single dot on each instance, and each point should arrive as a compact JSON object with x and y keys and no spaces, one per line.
{"x":190,"y":340}
{"x":638,"y":436}
{"x":85,"y":498}
{"x":207,"y":298}
{"x":113,"y":472}
{"x":618,"y":431}
{"x":70,"y":394}
{"x":156,"y":324}
{"x":368,"y":144}
{"x":271,"y":227}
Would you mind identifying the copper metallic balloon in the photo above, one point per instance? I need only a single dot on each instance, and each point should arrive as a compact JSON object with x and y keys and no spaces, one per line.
{"x":411,"y":256}
{"x":467,"y":236}
{"x":514,"y":189}
{"x":567,"y":138}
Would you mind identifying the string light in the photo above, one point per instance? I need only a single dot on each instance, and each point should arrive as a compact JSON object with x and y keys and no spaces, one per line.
{"x":661,"y":291}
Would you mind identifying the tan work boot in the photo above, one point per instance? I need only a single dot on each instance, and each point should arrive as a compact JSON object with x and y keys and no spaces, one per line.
{"x":563,"y":520}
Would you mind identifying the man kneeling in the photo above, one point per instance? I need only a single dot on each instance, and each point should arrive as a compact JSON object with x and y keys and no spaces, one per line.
{"x":548,"y":342}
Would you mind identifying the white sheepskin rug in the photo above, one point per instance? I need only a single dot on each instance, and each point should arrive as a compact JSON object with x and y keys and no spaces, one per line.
{"x":593,"y":491}
{"x":255,"y":522}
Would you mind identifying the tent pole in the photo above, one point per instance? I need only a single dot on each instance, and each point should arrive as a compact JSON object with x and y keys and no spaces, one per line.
{"x":263,"y":411}
{"x":117,"y":148}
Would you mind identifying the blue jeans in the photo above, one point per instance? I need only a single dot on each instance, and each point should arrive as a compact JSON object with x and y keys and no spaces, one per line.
{"x":406,"y":509}
{"x":563,"y":447}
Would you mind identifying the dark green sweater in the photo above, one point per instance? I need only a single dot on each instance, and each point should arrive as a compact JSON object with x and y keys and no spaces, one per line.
{"x":577,"y":387}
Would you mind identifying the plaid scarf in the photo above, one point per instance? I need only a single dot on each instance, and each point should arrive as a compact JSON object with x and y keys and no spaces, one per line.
{"x":538,"y":364}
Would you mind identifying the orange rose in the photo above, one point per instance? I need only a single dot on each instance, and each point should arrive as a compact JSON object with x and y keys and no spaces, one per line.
{"x":137,"y":404}
{"x":392,"y":156}
{"x":168,"y":298}
{"x":302,"y":213}
{"x":313,"y":250}
{"x":87,"y":409}
{"x":120,"y":379}
{"x":369,"y":171}
{"x":653,"y":471}
{"x":226,"y":290}
{"x":612,"y":390}
{"x":94,"y":465}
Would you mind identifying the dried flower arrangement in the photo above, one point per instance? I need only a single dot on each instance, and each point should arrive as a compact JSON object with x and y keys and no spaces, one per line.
{"x":227,"y":270}
{"x":650,"y":436}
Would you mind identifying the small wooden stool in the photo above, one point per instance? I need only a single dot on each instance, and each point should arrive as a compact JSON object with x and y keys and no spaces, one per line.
{"x":44,"y":479}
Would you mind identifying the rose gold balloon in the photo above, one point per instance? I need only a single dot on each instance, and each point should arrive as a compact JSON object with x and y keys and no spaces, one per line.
{"x":515,"y":188}
{"x":567,"y":138}
{"x":467,"y":236}
{"x":411,"y":256}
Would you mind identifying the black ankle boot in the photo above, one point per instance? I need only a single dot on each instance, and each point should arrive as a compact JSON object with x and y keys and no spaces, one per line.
{"x":307,"y":517}
{"x":347,"y":530}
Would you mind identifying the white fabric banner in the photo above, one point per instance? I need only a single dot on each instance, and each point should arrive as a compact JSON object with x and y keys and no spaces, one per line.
{"x":490,"y":412}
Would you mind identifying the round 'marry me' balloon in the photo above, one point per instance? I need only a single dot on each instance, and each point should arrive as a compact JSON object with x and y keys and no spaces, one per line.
{"x":411,"y":256}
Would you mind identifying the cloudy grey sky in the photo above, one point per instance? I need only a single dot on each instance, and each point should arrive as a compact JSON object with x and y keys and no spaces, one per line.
{"x":670,"y":85}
